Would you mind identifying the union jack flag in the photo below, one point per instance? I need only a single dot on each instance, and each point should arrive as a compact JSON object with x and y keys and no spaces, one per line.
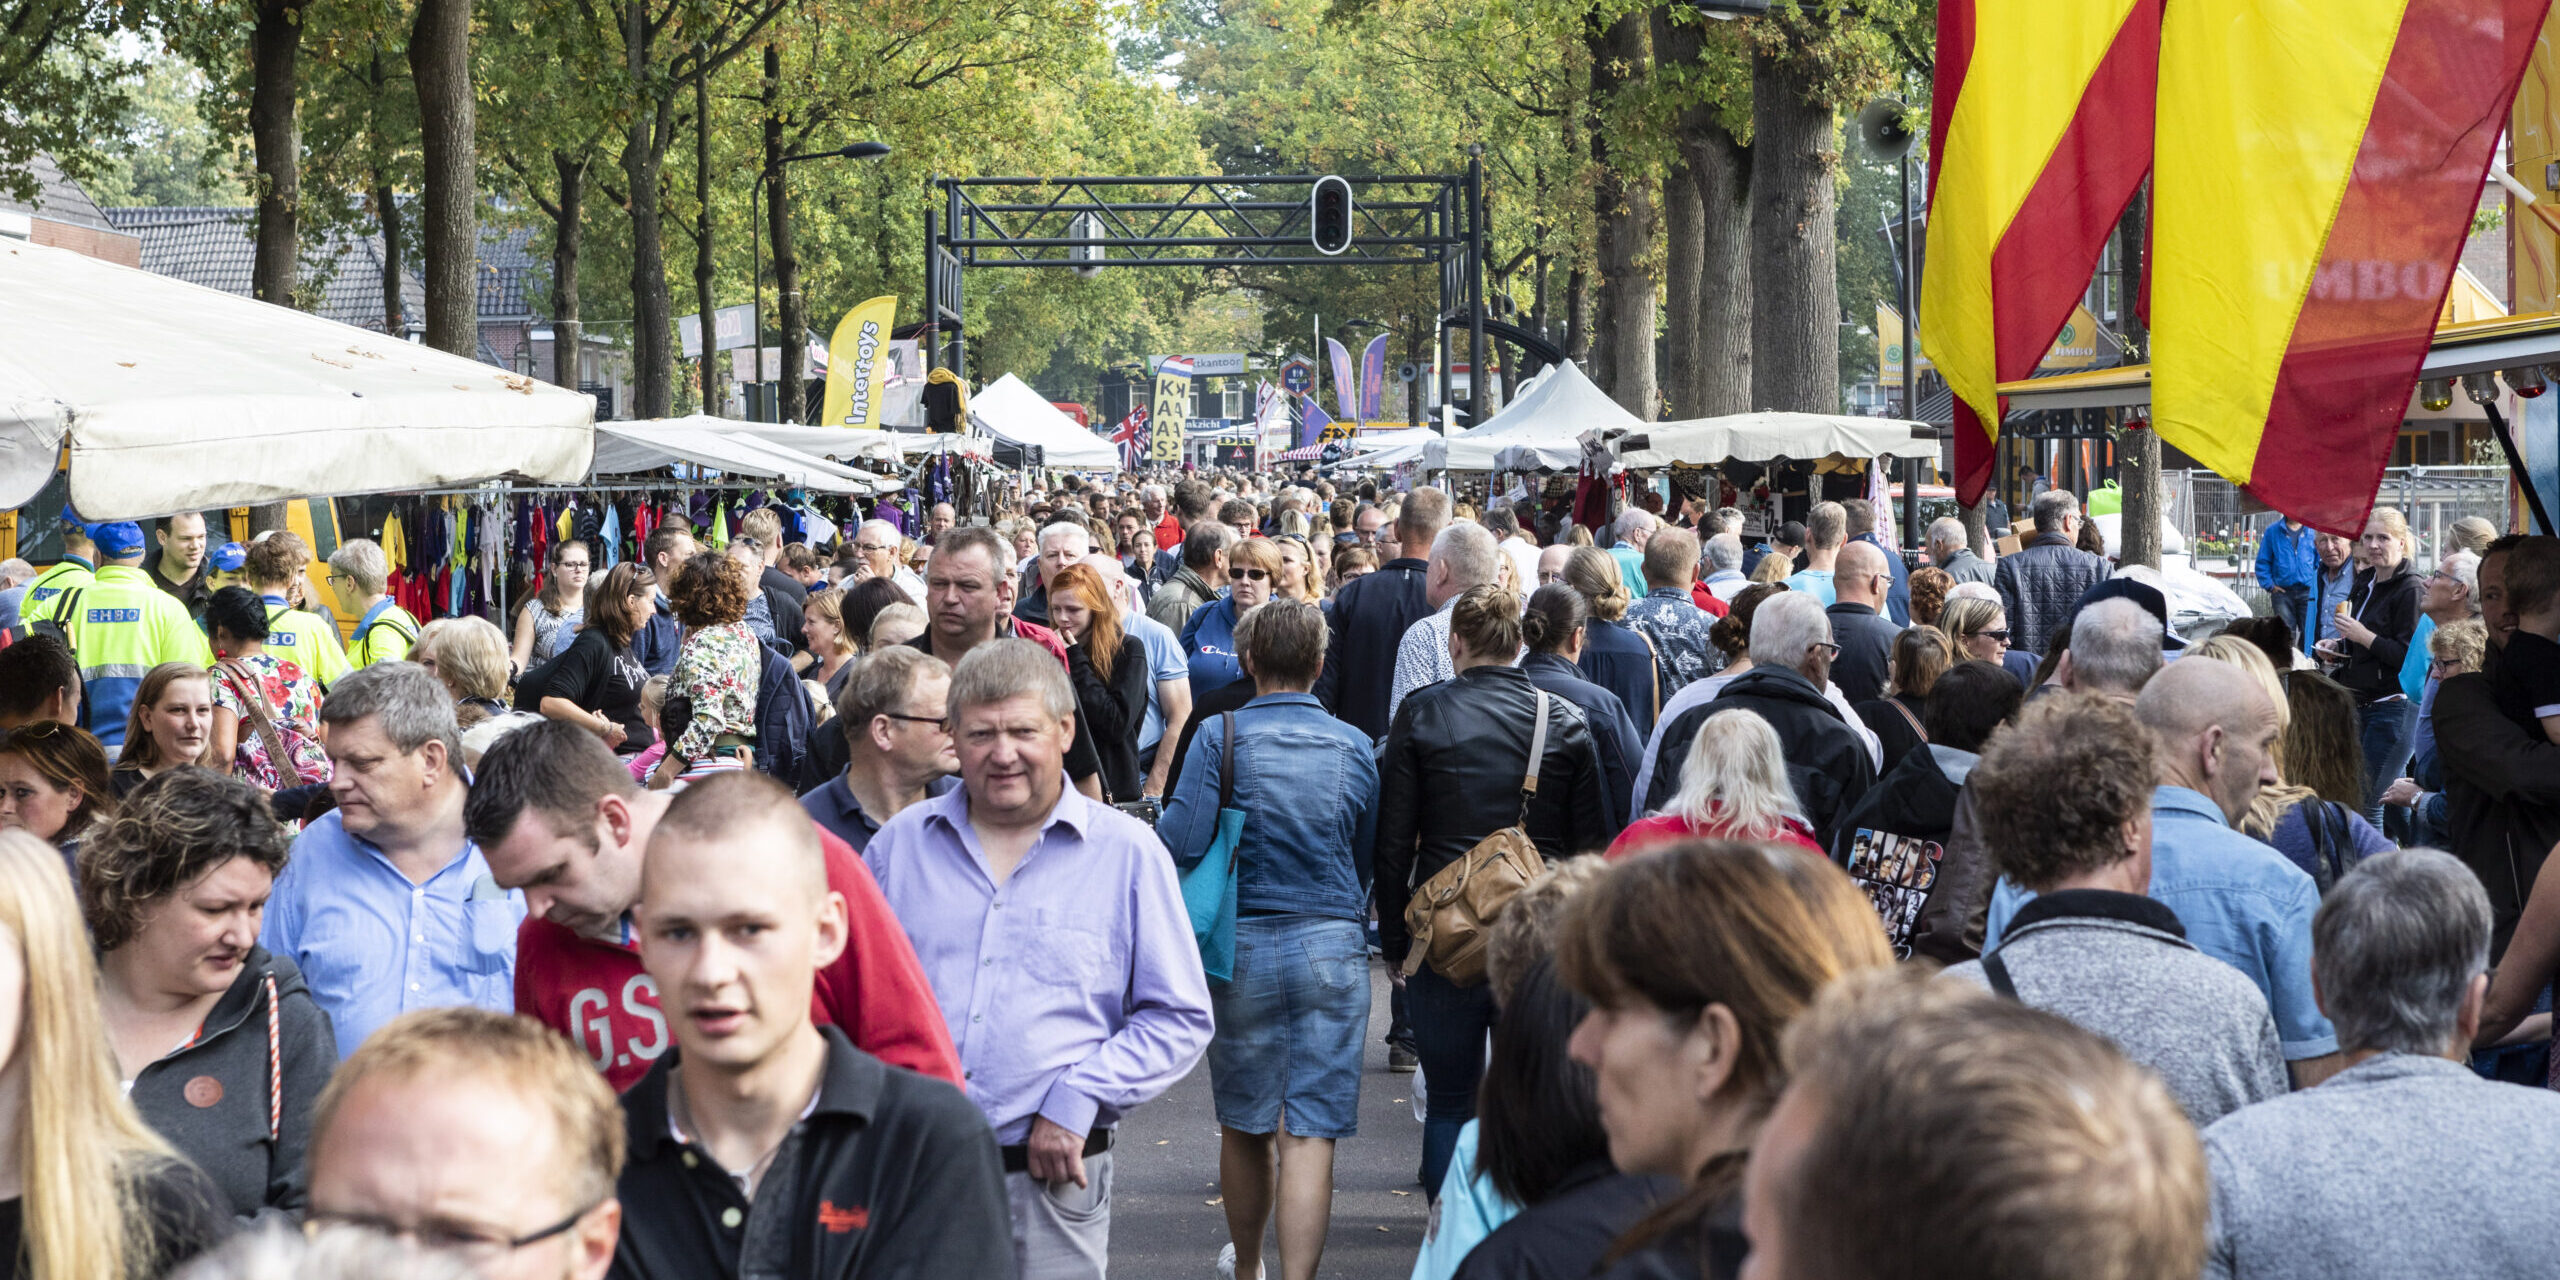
{"x":1128,"y":434}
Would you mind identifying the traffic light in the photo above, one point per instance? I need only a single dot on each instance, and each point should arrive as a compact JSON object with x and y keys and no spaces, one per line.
{"x":1329,"y":215}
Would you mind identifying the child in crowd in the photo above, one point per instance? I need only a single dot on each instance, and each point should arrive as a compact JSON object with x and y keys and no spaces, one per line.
{"x":653,"y":703}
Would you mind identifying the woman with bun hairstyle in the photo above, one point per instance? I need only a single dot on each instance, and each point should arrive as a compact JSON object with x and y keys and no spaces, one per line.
{"x":1553,"y":628}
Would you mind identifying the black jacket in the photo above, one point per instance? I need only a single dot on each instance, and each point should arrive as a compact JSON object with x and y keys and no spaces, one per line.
{"x":1450,"y":776}
{"x":1896,"y":732}
{"x":1897,"y":845}
{"x":1563,"y":1236}
{"x":2389,"y":605}
{"x":1368,"y":621}
{"x":223,"y":1126}
{"x":2502,"y":795}
{"x":1826,"y":760}
{"x":2041,"y":585}
{"x":1108,"y":713}
{"x":1612,"y":733}
{"x":1866,"y":646}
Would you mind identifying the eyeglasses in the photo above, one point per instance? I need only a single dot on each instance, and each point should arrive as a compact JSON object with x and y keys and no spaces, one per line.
{"x":579,"y":565}
{"x":942,"y":723}
{"x":1253,"y":575}
{"x":1829,"y":649}
{"x":477,"y":1246}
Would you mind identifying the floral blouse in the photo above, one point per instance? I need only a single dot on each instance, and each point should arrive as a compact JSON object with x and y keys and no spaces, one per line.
{"x":720,"y":668}
{"x":293,"y":698}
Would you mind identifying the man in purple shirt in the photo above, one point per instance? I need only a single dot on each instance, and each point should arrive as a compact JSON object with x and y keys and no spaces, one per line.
{"x":1053,"y":931}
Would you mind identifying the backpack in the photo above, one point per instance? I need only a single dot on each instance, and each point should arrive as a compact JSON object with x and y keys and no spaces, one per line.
{"x":783,"y":719}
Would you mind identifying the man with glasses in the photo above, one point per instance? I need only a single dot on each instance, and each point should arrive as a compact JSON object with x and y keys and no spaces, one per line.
{"x":477,"y":1135}
{"x":898,"y":737}
{"x":876,"y":545}
{"x":359,"y":576}
{"x":774,"y":1147}
{"x":563,"y":821}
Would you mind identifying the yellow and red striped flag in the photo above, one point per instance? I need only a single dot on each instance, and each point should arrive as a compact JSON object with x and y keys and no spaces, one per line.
{"x":2318,"y":162}
{"x":2040,"y":133}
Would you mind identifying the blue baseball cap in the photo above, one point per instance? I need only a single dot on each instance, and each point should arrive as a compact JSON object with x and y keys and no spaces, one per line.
{"x":118,"y":539}
{"x":228,"y":557}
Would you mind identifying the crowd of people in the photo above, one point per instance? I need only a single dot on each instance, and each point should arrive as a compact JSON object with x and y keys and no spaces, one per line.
{"x":1752,"y":901}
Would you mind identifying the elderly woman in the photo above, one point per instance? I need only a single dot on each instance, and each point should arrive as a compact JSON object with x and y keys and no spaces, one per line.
{"x":172,"y":890}
{"x":1929,"y":587}
{"x":469,"y":656}
{"x":717,"y":672}
{"x":2376,"y":624}
{"x":1253,"y":565}
{"x":1733,"y":786}
{"x":2453,"y":649}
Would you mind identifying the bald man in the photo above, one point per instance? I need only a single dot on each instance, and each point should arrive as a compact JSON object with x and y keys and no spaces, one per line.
{"x":2242,"y":902}
{"x":1859,"y":581}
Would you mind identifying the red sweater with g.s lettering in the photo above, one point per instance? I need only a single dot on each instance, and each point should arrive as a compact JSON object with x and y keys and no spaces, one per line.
{"x":596,"y":994}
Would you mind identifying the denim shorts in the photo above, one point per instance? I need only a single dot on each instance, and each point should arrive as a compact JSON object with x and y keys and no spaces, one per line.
{"x":1290,"y":1026}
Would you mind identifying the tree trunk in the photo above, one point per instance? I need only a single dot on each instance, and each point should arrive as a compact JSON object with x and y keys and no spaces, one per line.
{"x":275,"y":133}
{"x":1577,"y":316}
{"x":1795,"y":313}
{"x":1977,"y":528}
{"x":652,"y":363}
{"x":386,"y":209}
{"x":567,"y":237}
{"x":1684,"y":234}
{"x":1720,"y":166}
{"x":2137,"y":452}
{"x":791,"y":311}
{"x":1624,"y":200}
{"x":714,"y":402}
{"x":440,"y":63}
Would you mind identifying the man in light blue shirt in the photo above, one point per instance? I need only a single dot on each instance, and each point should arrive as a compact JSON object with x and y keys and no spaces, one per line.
{"x":1101,"y":1003}
{"x":1826,"y":530}
{"x":2241,"y":902}
{"x":384,"y":905}
{"x":1635,"y":530}
{"x":2332,"y":579}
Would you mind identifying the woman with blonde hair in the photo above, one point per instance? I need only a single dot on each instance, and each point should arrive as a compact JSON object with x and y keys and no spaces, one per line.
{"x":1733,"y":786}
{"x":1301,"y":574}
{"x":91,"y":1192}
{"x":469,"y":657}
{"x":171,"y":725}
{"x":831,"y":648}
{"x":1615,"y":656}
{"x":2375,"y":625}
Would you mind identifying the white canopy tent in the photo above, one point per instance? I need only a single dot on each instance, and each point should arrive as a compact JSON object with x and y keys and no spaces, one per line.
{"x":174,"y":397}
{"x":1544,"y":423}
{"x":1766,"y":437}
{"x":1009,"y":410}
{"x":627,"y":448}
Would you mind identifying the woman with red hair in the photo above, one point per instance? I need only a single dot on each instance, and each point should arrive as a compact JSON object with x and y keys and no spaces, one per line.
{"x":1108,"y":667}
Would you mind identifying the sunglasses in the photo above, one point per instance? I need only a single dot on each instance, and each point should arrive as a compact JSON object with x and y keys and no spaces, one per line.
{"x":1253,"y":575}
{"x":2001,"y":635}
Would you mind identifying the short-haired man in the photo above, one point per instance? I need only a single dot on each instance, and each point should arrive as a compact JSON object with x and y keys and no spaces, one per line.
{"x":2286,"y":566}
{"x":1862,"y":528}
{"x":77,"y":568}
{"x":938,"y":522}
{"x":898,"y":743}
{"x":476,"y":1133}
{"x":1200,"y":570}
{"x":875,"y":547}
{"x":2242,"y":902}
{"x":1858,"y":583}
{"x":2502,"y":787}
{"x":2043,"y":582}
{"x":39,"y":680}
{"x":1061,"y":544}
{"x":1826,"y":530}
{"x":2405,"y":1163}
{"x":659,"y":639}
{"x":1053,"y":929}
{"x":562,"y":822}
{"x":359,"y":575}
{"x":1464,"y":556}
{"x":1372,"y":613}
{"x":2114,"y":651}
{"x":968,"y":603}
{"x":120,"y":627}
{"x":1191,"y":502}
{"x":1952,"y":550}
{"x":386,"y":906}
{"x":770,"y":1145}
{"x":764,"y":524}
{"x":1635,"y":531}
{"x":1898,"y":842}
{"x":1668,"y":613}
{"x":1827,"y":761}
{"x":1723,"y":557}
{"x":2064,"y":801}
{"x":299,"y":635}
{"x":1929,"y":1129}
{"x":179,"y":568}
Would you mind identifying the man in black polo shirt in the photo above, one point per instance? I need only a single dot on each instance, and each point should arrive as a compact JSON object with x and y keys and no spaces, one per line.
{"x":765,"y":1145}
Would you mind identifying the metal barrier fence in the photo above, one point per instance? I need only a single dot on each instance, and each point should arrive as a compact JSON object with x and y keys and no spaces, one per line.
{"x":2222,"y":526}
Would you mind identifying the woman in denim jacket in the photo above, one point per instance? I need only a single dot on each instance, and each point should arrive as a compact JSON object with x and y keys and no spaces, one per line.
{"x":1291,"y":1017}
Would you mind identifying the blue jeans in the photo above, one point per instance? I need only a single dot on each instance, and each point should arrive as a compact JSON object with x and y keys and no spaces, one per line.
{"x":1450,"y":1023}
{"x":2290,"y":603}
{"x":2389,"y":729}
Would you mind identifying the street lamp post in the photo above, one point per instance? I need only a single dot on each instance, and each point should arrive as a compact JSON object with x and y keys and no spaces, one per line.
{"x":755,"y":232}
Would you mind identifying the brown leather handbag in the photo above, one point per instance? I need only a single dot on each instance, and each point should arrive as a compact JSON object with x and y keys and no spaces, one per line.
{"x":1451,"y":916}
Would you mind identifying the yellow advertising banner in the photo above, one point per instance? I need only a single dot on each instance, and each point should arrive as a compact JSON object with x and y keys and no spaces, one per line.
{"x":1171,"y":414}
{"x":858,"y":365}
{"x":1889,"y":347}
{"x":2077,"y":345}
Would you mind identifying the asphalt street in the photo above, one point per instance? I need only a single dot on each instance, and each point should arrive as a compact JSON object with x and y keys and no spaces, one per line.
{"x":1166,"y":1219}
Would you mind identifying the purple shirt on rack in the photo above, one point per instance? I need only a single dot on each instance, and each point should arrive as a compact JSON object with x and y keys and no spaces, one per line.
{"x":1073,"y":990}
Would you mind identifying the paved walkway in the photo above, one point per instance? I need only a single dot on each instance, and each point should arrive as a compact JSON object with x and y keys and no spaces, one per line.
{"x":1166,"y":1226}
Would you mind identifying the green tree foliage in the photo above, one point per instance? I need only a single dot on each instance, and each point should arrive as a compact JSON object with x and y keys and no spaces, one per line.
{"x":165,"y":150}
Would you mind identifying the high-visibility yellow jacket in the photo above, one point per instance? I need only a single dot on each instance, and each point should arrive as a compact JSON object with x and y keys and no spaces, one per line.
{"x":384,"y":634}
{"x":46,"y":592}
{"x":122,"y":627}
{"x":302,"y":638}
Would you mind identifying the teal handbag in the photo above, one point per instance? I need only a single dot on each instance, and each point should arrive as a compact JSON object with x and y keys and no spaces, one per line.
{"x":1209,"y":885}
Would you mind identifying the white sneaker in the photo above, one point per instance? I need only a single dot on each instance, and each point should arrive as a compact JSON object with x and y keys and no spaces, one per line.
{"x":1227,"y":1261}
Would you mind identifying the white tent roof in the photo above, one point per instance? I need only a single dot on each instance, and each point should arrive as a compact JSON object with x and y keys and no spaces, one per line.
{"x":1549,"y":415}
{"x":720,"y":443}
{"x":1763,"y":437}
{"x":1011,"y":411}
{"x":176,"y":397}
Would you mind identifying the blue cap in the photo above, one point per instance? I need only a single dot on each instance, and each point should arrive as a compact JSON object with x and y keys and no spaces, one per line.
{"x":228,"y":557}
{"x":117,"y":540}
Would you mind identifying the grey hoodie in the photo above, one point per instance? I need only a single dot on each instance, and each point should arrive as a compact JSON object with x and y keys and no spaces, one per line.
{"x":237,"y":1101}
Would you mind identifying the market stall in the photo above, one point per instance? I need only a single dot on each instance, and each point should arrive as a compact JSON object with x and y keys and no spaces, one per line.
{"x":168,"y":396}
{"x":1017,"y":418}
{"x":721,"y":445}
{"x":1544,"y":421}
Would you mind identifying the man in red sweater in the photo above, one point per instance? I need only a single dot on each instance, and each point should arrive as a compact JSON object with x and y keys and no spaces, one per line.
{"x":559,"y":817}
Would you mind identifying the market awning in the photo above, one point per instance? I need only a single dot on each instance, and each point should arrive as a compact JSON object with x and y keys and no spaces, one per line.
{"x":174,"y":397}
{"x":1767,"y":437}
{"x":2476,"y":346}
{"x":634,"y":448}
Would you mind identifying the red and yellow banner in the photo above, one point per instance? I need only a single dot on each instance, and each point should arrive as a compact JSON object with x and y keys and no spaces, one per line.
{"x":2040,"y":134}
{"x":2317,"y":171}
